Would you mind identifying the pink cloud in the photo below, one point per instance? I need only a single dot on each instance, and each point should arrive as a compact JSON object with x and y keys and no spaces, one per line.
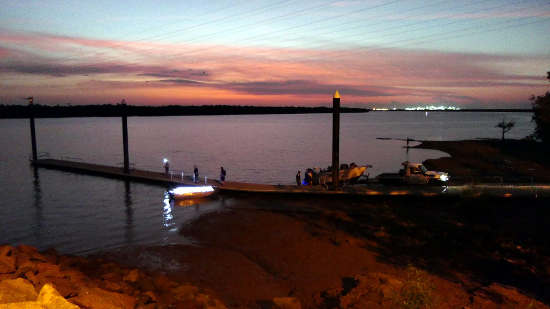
{"x":263,"y":74}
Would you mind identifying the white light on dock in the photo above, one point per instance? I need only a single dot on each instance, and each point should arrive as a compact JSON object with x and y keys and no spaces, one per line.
{"x":164,"y":160}
{"x":191,"y":190}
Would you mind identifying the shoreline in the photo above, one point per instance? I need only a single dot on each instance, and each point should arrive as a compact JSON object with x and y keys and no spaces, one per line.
{"x":347,"y":253}
{"x":484,"y":158}
{"x":365,"y":256}
{"x":316,"y":252}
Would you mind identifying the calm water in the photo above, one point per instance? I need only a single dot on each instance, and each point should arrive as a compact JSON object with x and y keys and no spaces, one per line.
{"x":80,"y":214}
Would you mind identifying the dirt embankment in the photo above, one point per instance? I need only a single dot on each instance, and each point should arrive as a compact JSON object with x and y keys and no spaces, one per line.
{"x":357,"y":254}
{"x":511,"y":160}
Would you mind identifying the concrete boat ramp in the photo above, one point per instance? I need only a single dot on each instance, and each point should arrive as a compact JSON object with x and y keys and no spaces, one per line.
{"x":374,"y":189}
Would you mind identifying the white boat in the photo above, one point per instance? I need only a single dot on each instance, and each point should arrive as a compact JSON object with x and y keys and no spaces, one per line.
{"x":191,"y":192}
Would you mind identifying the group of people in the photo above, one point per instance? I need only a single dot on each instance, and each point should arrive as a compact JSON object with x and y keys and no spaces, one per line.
{"x":308,"y":178}
{"x":223,"y":172}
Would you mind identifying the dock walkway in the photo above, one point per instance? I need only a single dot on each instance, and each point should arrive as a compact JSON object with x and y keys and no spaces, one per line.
{"x":118,"y":172}
{"x":467,"y":190}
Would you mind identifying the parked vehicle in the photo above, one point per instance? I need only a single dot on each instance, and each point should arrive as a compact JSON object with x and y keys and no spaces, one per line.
{"x":413,"y":173}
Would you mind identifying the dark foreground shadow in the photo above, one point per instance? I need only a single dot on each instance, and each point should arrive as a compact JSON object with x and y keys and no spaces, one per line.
{"x":472,"y":241}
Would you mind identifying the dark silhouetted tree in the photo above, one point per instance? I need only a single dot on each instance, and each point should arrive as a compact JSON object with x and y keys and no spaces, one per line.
{"x":505,"y":126}
{"x":541,"y":116}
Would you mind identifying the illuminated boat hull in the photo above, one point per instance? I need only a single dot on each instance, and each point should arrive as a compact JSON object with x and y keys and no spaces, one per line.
{"x":181,"y":193}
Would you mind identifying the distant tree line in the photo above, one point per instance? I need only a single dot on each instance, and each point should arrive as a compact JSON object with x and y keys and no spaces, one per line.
{"x":114,"y":110}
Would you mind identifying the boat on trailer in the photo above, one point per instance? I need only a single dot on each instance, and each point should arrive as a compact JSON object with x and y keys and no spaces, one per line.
{"x":346,"y":174}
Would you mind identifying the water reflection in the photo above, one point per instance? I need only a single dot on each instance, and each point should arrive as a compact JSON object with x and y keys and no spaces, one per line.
{"x":190,"y":202}
{"x":37,"y":203}
{"x":129,"y":231}
{"x":168,"y":216}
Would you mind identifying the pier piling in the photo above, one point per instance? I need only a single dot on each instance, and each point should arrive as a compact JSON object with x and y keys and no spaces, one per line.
{"x":33,"y":133}
{"x":125,"y":137}
{"x":336,"y":139}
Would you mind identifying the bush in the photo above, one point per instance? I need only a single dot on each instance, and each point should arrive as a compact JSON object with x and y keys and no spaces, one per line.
{"x":541,"y":116}
{"x":417,"y":291}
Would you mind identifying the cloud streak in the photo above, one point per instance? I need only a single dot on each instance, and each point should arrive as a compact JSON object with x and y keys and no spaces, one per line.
{"x":260,"y":73}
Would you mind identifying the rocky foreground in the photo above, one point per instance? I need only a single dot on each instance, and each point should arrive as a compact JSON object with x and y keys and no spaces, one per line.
{"x":30,"y":279}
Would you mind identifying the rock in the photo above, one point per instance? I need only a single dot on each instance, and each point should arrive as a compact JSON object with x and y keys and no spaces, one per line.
{"x":146,"y":298}
{"x":132,"y":276}
{"x":8,"y":276}
{"x":287,"y":303}
{"x":23,"y":305}
{"x":24,"y":266}
{"x":69,"y":261}
{"x":7,"y":259}
{"x":51,"y":299}
{"x":109,"y":267}
{"x":152,"y":296}
{"x":145,"y":284}
{"x":76,"y":277}
{"x":48,"y":274}
{"x":500,"y":296}
{"x":372,"y":290}
{"x":388,"y":285}
{"x":163,"y":283}
{"x":112,"y":276}
{"x":191,"y":298}
{"x":16,"y":290}
{"x":205,"y":301}
{"x":184,"y":292}
{"x":27,"y":250}
{"x":96,"y":298}
{"x":65,"y":287}
{"x":31,"y":253}
{"x":111,"y":286}
{"x":48,"y":270}
{"x":51,"y":255}
{"x":31,"y":277}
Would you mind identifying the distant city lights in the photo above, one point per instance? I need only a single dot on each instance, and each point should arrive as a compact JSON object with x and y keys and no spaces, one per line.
{"x":419,"y":108}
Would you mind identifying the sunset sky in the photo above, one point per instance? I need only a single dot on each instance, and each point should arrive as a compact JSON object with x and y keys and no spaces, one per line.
{"x":470,"y":54}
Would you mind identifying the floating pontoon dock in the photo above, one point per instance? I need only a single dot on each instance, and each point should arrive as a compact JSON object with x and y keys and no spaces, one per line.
{"x":477,"y":190}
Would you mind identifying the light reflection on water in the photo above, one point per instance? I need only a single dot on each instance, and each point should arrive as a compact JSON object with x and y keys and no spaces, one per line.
{"x":169,"y":223}
{"x":81,"y":214}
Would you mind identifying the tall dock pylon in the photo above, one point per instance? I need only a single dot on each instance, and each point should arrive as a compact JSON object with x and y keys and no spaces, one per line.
{"x":125,"y":136}
{"x":33,"y":133}
{"x":336,"y":139}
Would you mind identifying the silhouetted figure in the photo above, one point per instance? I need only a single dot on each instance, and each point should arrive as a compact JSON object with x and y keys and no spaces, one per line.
{"x":196,"y":174}
{"x":298,"y":178}
{"x":166,"y":167}
{"x":308,"y":178}
{"x":222,"y":174}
